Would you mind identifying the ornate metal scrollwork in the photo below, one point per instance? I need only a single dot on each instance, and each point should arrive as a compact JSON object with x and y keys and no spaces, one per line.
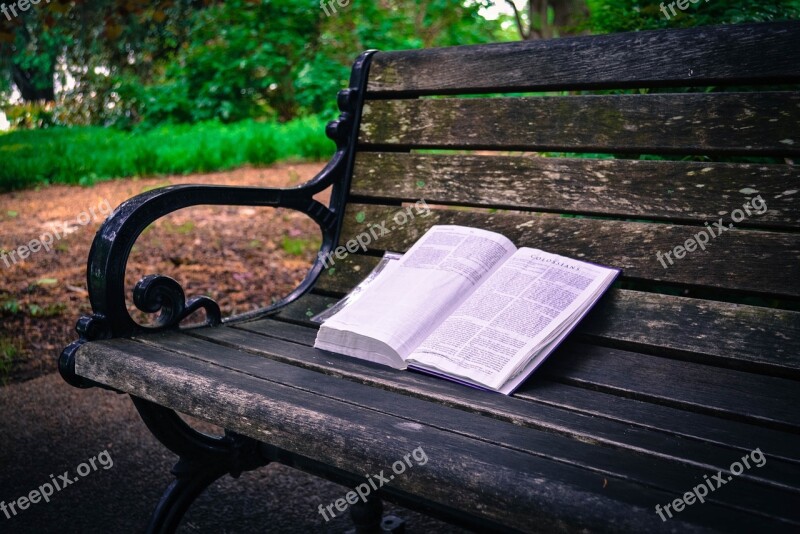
{"x":160,"y":294}
{"x":156,"y":292}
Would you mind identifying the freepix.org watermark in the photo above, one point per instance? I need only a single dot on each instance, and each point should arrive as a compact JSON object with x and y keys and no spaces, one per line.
{"x":327,"y":5}
{"x":373,"y":483}
{"x":46,"y":240}
{"x":755,"y":205}
{"x":683,"y":5}
{"x":22,"y":5}
{"x":699,"y":492}
{"x":48,"y":489}
{"x":375,"y":232}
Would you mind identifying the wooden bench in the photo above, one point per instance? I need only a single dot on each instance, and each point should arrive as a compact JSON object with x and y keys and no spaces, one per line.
{"x":689,"y":365}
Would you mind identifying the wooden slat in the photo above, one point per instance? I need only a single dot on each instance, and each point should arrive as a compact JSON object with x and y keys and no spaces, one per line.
{"x":740,"y":54}
{"x":747,"y":260}
{"x":763,"y":123}
{"x":677,"y":464}
{"x":665,"y":419}
{"x":603,"y":408}
{"x":689,"y":385}
{"x":661,"y":190}
{"x":743,"y":396}
{"x":461,"y":472}
{"x":736,"y":336}
{"x":300,"y":311}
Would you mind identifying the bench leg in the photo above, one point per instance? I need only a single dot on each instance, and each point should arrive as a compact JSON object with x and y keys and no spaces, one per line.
{"x":190,"y":482}
{"x":203,"y":459}
{"x":368,"y":518}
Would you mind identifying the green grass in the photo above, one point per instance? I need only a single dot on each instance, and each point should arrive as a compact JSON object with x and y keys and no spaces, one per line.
{"x":85,"y":155}
{"x":8,"y":351}
{"x":299,"y":246}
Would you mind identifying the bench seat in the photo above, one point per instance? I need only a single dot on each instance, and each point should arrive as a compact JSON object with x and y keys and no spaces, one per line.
{"x":595,"y":439}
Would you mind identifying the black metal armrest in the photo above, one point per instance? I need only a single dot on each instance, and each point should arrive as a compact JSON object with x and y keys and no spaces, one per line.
{"x":112,"y":245}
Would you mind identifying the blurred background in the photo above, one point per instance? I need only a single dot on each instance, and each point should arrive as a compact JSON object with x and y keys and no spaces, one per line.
{"x":102,"y":100}
{"x":115,"y":88}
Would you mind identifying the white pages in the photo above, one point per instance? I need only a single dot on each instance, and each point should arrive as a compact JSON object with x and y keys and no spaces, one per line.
{"x":465,"y":304}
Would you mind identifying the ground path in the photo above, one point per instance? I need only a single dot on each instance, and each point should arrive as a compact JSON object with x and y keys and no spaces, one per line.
{"x":242,"y":257}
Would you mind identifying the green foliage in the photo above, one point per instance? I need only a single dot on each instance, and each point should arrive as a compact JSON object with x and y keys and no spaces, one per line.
{"x":9,"y":351}
{"x":85,"y":155}
{"x":182,"y":229}
{"x":286,"y":58}
{"x":236,"y":63}
{"x":299,"y":246}
{"x":610,"y":16}
{"x":10,"y":306}
{"x":49,"y":310}
{"x":186,"y":61}
{"x":30,"y":115}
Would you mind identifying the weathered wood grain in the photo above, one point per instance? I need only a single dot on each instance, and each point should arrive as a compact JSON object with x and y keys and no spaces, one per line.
{"x":727,"y":393}
{"x":676,"y":383}
{"x":737,"y":336}
{"x":666,"y":419}
{"x":263,"y":405}
{"x":675,"y":460}
{"x":746,"y":260}
{"x":567,"y":400}
{"x":510,"y":487}
{"x":300,"y":311}
{"x":763,"y":123}
{"x":735,"y":54}
{"x":660,"y":190}
{"x":612,"y":370}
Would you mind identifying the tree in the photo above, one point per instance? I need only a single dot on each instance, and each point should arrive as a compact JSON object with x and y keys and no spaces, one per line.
{"x":284,"y":58}
{"x":607,"y":16}
{"x":194,"y":60}
{"x":29,"y":48}
{"x":118,"y":35}
{"x":545,"y":19}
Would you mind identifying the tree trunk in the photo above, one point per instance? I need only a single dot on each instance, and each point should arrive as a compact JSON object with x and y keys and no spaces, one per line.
{"x":537,"y":26}
{"x":33,"y":85}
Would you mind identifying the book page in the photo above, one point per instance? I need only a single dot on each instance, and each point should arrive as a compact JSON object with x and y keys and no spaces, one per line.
{"x":431,"y":280}
{"x":385,"y":267}
{"x":522,"y":308}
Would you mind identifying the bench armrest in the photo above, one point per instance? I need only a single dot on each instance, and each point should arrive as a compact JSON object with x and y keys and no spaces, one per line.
{"x":108,"y":258}
{"x":112,"y":245}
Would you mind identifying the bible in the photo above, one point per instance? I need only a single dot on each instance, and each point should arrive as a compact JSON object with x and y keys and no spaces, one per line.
{"x":467,"y":305}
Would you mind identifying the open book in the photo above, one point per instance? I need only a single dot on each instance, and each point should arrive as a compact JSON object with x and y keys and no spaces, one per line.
{"x":467,"y":305}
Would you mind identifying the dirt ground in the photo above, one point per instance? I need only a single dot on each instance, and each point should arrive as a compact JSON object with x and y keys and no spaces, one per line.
{"x":242,"y":257}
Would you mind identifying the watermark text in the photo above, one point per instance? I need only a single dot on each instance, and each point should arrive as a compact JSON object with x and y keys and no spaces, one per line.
{"x":373,"y":483}
{"x":22,"y":5}
{"x":755,"y":206}
{"x":59,"y":230}
{"x":699,"y":492}
{"x":48,"y":489}
{"x":375,"y":232}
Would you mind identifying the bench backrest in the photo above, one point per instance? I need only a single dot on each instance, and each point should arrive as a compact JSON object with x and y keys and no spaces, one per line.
{"x":473,"y":156}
